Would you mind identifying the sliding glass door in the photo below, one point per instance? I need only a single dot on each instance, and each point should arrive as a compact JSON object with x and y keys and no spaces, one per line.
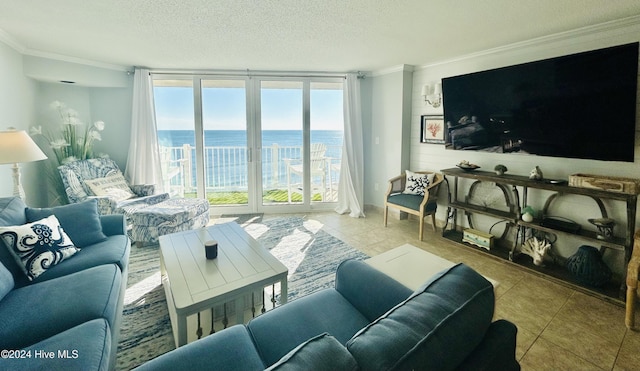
{"x":226,"y":152}
{"x":282,"y":139}
{"x":203,"y":139}
{"x":251,"y":144}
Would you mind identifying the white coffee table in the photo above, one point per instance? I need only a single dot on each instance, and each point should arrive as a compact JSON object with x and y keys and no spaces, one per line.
{"x":193,"y":283}
{"x":412,"y":266}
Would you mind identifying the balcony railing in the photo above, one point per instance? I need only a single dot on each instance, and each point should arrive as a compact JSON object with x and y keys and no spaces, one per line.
{"x":226,"y":169}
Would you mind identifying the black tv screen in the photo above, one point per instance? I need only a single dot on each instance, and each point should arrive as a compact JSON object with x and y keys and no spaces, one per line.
{"x":576,"y":106}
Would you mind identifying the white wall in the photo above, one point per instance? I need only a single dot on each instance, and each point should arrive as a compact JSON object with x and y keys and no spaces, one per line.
{"x":390,"y":131}
{"x":111,"y":105}
{"x":17,"y":95}
{"x":435,"y":157}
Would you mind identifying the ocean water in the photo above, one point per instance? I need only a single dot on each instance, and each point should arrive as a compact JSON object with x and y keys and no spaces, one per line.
{"x":226,"y":156}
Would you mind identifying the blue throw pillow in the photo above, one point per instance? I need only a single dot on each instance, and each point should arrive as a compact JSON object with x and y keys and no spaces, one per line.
{"x":6,"y":281}
{"x":320,"y":353}
{"x":80,"y":221}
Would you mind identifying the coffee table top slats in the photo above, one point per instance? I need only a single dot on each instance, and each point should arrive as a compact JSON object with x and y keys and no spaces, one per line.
{"x":172,"y":263}
{"x":244,"y":254}
{"x":241,"y":262}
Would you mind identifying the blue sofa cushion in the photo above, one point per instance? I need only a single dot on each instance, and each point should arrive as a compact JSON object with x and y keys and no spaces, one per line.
{"x":81,"y":221}
{"x":277,"y":332}
{"x":320,"y":353}
{"x":229,"y":350}
{"x":449,"y":315}
{"x":115,"y":250}
{"x":38,"y":245}
{"x":33,"y":313}
{"x":361,"y":285}
{"x":6,"y":281}
{"x":84,"y":347}
{"x":12,"y":212}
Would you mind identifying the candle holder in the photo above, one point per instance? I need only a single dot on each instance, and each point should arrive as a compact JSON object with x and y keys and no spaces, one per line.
{"x":605,"y":227}
{"x":211,"y":249}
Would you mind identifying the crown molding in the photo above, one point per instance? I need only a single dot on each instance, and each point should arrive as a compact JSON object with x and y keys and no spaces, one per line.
{"x":399,"y":68}
{"x":611,"y":26}
{"x":17,"y":46}
{"x":68,"y":59}
{"x":11,"y":42}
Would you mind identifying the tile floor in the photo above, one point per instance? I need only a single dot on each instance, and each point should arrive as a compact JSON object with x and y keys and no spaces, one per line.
{"x":558,"y":328}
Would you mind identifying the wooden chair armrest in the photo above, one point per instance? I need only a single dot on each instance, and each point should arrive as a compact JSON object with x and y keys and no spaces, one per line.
{"x":396,"y":184}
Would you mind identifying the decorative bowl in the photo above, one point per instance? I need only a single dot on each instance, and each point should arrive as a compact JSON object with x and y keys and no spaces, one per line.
{"x":468,"y":167}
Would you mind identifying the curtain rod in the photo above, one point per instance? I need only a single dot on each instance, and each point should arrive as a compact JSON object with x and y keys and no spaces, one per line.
{"x":250,"y":73}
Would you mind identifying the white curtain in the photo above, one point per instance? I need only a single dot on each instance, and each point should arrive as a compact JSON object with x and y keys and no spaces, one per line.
{"x":351,"y":187}
{"x":143,"y":162}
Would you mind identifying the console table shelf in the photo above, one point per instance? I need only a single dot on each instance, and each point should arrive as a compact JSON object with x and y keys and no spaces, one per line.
{"x":511,"y":186}
{"x":483,"y":210}
{"x":615,"y":243}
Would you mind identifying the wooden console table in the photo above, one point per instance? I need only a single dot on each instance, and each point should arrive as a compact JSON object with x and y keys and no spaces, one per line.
{"x":508,"y":186}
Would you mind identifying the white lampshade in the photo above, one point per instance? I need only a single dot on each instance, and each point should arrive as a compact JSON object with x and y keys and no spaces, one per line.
{"x":16,"y":146}
{"x":437,"y":88}
{"x":425,"y":90}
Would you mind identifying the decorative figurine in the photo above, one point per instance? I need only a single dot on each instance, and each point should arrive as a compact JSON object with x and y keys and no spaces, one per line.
{"x":527,"y":214}
{"x":536,"y":174}
{"x":500,"y":169}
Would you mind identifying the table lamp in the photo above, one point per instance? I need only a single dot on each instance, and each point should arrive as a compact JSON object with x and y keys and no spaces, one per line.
{"x":17,"y":146}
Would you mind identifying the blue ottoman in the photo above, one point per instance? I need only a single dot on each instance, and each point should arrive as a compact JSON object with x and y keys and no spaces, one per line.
{"x":170,"y":216}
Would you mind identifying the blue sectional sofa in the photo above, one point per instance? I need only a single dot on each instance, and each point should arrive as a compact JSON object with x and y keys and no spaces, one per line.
{"x":64,"y":316}
{"x":367,"y":322}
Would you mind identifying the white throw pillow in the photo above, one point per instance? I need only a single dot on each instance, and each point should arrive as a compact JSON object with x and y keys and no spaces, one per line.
{"x":417,"y":183}
{"x":114,"y":186}
{"x":38,"y":246}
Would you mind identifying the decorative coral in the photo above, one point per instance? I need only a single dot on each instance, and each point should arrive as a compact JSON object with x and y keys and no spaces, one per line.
{"x":536,"y":249}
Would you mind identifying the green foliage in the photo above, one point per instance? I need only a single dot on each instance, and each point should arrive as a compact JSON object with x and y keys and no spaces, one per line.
{"x":242,"y":198}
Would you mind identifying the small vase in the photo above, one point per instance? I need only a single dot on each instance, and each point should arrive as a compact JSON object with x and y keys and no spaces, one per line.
{"x":587,"y":267}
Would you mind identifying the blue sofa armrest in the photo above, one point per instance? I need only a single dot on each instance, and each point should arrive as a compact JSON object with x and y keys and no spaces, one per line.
{"x":114,"y":224}
{"x":370,"y":291}
{"x":229,"y":350}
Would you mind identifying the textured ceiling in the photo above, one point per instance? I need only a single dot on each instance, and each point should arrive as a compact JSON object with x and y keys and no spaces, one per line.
{"x":298,"y":35}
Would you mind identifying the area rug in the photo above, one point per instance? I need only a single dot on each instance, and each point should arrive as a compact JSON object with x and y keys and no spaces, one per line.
{"x":311,"y":255}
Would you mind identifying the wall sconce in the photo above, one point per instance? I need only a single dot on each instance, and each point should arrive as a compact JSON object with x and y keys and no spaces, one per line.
{"x":435,"y":99}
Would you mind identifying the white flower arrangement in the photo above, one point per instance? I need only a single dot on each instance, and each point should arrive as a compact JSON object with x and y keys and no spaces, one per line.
{"x":71,"y":144}
{"x":74,"y":142}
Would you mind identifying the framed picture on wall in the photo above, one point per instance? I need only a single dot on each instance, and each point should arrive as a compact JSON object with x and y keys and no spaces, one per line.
{"x":432,"y":129}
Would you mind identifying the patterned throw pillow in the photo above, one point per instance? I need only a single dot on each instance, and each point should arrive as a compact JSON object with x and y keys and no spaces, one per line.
{"x":39,"y":245}
{"x":417,"y":183}
{"x":113,"y":185}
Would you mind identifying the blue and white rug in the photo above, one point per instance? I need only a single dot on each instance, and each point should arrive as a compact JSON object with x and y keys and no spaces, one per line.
{"x":311,"y":254}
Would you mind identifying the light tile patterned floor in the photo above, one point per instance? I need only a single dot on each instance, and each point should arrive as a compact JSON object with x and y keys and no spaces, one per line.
{"x":558,"y":328}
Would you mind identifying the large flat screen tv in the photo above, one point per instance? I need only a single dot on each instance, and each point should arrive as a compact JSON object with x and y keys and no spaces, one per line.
{"x":576,"y":106}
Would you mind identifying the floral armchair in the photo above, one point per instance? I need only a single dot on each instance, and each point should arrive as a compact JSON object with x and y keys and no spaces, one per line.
{"x":87,"y":179}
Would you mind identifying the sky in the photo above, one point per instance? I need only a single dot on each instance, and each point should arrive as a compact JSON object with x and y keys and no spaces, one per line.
{"x":224,"y":109}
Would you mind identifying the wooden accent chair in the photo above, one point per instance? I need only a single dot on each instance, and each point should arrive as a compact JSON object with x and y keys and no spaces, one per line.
{"x":633,"y":270}
{"x":413,"y":204}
